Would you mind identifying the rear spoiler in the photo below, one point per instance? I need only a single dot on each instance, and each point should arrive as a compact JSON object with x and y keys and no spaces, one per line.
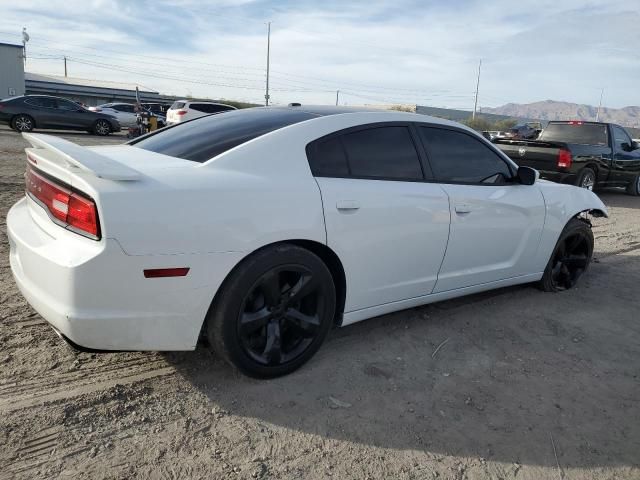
{"x":69,"y":154}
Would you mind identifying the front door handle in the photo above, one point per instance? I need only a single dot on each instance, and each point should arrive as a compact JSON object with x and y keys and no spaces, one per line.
{"x":348,"y":205}
{"x":463,"y":208}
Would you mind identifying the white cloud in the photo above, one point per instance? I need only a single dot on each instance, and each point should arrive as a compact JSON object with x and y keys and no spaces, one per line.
{"x":413,"y":52}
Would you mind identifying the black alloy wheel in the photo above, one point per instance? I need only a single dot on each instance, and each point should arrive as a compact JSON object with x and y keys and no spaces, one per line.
{"x":279,"y":317}
{"x":273,"y":311}
{"x":570,"y":258}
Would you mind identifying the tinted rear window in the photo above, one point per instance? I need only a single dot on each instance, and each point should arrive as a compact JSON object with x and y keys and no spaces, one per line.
{"x":586,"y":133}
{"x":383,"y":152}
{"x":206,"y":137}
{"x":178,"y":105}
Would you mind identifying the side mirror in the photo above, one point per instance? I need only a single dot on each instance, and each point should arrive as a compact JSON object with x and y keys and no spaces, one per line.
{"x":527,"y":175}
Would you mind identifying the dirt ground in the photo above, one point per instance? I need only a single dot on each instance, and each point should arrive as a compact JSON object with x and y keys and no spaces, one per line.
{"x":528,"y":385}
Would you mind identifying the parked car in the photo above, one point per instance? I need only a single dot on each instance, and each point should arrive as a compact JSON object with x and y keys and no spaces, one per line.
{"x":159,"y":110}
{"x":124,"y":112}
{"x":184,"y":110}
{"x":525,"y":131}
{"x":27,"y":112}
{"x":491,"y":134}
{"x":587,"y":154}
{"x":261,"y":238}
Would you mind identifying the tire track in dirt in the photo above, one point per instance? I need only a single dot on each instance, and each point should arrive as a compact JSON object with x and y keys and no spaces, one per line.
{"x":24,"y":394}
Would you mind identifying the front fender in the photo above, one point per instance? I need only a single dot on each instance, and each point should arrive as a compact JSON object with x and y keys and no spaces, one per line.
{"x":562,"y":203}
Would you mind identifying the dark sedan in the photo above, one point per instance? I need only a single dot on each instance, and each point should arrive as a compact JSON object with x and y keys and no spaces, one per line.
{"x":42,"y":111}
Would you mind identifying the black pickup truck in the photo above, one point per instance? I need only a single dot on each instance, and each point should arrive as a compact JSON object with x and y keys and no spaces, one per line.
{"x":587,"y":154}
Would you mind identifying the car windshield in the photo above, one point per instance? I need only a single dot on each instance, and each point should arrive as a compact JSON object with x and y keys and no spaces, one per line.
{"x":582,"y":133}
{"x":206,"y":137}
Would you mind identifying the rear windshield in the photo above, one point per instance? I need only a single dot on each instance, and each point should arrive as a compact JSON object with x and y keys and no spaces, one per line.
{"x":178,"y":105}
{"x":585,"y":133}
{"x":206,"y":137}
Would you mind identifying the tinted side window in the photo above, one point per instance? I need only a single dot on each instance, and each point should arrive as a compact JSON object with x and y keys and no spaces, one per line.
{"x":382,"y":152}
{"x":124,"y":108}
{"x":200,"y":107}
{"x":44,"y":102}
{"x":327,"y":159}
{"x":68,"y":106}
{"x":458,"y":157}
{"x":220,"y":108}
{"x":620,"y":136}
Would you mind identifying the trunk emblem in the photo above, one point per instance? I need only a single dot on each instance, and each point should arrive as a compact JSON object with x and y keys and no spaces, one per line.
{"x":522,"y":151}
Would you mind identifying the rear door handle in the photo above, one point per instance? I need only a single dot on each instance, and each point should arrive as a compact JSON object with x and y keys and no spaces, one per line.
{"x":347,"y":205}
{"x":463,"y":208}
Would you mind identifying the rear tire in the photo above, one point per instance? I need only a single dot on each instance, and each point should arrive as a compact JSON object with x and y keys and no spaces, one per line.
{"x":23,"y":123}
{"x":586,"y":179}
{"x":101,"y":128}
{"x":273,"y":311}
{"x":634,"y":187}
{"x":570,"y":258}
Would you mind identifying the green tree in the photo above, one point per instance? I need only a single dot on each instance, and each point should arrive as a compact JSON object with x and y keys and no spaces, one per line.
{"x":479,"y":123}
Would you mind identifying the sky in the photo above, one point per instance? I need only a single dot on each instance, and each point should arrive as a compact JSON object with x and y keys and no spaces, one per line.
{"x":393,"y":52}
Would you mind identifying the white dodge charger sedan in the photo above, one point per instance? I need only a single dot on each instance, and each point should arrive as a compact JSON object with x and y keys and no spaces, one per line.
{"x":260,"y":229}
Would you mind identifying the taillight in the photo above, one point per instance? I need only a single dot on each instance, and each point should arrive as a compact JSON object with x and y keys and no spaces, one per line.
{"x":181,"y":112}
{"x":68,"y":209}
{"x":564,"y":158}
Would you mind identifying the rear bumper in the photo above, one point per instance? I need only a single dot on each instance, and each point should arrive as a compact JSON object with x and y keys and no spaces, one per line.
{"x":97,"y":296}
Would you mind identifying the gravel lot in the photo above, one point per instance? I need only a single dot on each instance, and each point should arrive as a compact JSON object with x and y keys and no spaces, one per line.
{"x":528,"y":385}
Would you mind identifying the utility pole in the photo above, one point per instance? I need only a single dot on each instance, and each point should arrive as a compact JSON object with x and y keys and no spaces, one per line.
{"x":599,"y":105}
{"x":25,"y":39}
{"x":65,"y":66}
{"x":266,"y":95}
{"x":475,"y":104}
{"x":337,"y":96}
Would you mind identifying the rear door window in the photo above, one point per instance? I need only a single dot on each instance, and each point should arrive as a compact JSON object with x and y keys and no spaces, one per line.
{"x":68,"y":106}
{"x":328,"y":159}
{"x":457,"y":157}
{"x":382,"y":153}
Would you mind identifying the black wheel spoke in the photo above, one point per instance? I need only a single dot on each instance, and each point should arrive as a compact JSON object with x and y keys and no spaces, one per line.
{"x":308,"y":324}
{"x":252,"y":321}
{"x":303,"y":287}
{"x":271,"y":290}
{"x":575,"y":262}
{"x":573,"y":244}
{"x":273,"y":348}
{"x":281,"y":315}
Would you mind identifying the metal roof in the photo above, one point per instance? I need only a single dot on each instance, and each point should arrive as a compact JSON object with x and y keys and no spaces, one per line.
{"x":84,"y":82}
{"x":10,"y":45}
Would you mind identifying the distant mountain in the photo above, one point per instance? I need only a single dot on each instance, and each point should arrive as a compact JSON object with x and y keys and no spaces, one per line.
{"x":553,"y":110}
